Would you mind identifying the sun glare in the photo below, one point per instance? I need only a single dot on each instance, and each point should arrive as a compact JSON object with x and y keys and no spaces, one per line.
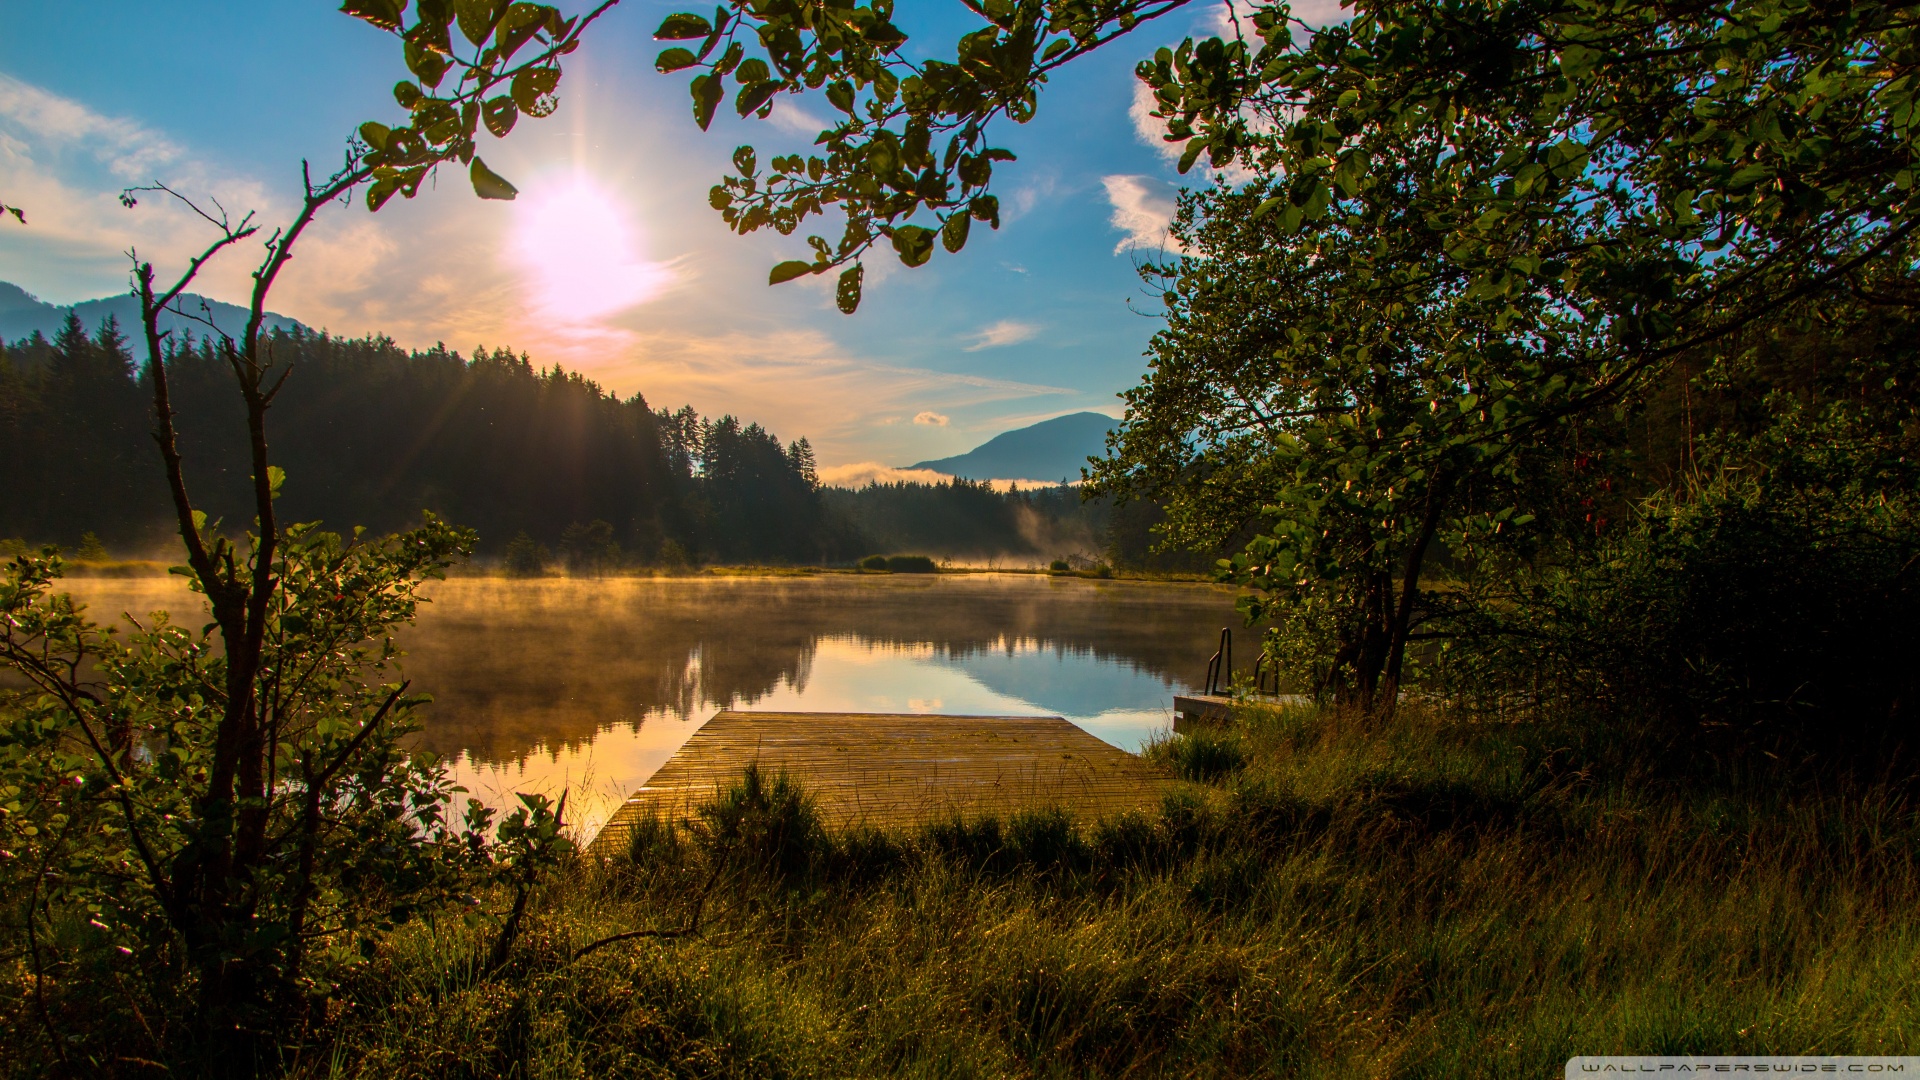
{"x":581,"y":254}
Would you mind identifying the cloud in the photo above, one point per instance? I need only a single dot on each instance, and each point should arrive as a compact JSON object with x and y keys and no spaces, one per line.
{"x":861,"y":473}
{"x":930,"y":419}
{"x":1143,"y":208}
{"x":1315,"y":13}
{"x":130,"y":150}
{"x":1151,"y":130}
{"x":795,"y":120}
{"x":1004,"y":332}
{"x":1148,"y":128}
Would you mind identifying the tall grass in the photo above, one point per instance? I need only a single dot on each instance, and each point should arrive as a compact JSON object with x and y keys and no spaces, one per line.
{"x":1349,"y":898}
{"x":1410,"y":898}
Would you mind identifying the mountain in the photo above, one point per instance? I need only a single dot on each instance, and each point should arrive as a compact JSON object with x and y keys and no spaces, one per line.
{"x":21,"y":313}
{"x":1049,"y":450}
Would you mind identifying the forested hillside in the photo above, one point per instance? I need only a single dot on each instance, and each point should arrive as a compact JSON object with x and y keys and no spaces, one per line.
{"x":372,"y":434}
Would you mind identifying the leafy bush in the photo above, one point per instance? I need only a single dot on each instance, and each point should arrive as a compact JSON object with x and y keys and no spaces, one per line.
{"x":874,"y":562}
{"x":1737,"y":604}
{"x":1059,"y":566}
{"x":1204,"y":754}
{"x":911,"y":564}
{"x":762,"y":823}
{"x":527,"y":557}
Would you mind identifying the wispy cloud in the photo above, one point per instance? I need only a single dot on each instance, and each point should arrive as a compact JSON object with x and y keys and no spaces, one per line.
{"x":1143,"y":208}
{"x":1315,"y":13}
{"x":1004,"y":332}
{"x":930,"y":419}
{"x":861,"y":473}
{"x":129,"y":149}
{"x":795,"y":119}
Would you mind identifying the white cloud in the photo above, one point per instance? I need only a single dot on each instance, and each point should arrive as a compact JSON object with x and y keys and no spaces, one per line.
{"x":1004,"y":332}
{"x":1143,"y":208}
{"x":930,"y":419}
{"x":861,"y":473}
{"x":1029,"y":195}
{"x":1315,"y":13}
{"x":1150,"y":129}
{"x":130,"y":150}
{"x":795,"y":120}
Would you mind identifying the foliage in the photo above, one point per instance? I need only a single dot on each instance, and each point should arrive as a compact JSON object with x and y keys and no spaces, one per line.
{"x":1445,"y":897}
{"x":526,"y":557}
{"x":1524,"y":223}
{"x":1203,"y":755}
{"x":590,"y":548}
{"x":873,"y":562}
{"x":911,"y":564}
{"x":262,"y":869}
{"x":496,"y":84}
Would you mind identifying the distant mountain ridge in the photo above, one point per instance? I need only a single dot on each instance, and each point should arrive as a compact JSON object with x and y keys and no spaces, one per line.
{"x":1055,"y":449}
{"x":22,"y":313}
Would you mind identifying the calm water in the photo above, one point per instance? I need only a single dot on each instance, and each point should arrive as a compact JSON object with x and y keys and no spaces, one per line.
{"x":590,"y":685}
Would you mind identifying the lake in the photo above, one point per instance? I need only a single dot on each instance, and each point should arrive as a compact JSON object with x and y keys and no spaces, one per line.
{"x":589,"y":685}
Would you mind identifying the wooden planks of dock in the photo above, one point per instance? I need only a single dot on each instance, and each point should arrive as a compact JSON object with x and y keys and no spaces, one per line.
{"x":899,"y":770}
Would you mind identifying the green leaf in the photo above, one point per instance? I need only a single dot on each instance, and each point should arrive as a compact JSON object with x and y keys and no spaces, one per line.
{"x":374,"y":134}
{"x":384,"y":14}
{"x":533,"y":91}
{"x":476,"y":18}
{"x":1055,"y":48}
{"x":407,"y":94}
{"x":1191,"y":153}
{"x":914,"y":243}
{"x":520,"y":23}
{"x":789,"y":270}
{"x":426,"y":63}
{"x":707,"y":92}
{"x":683,"y":27}
{"x":751,"y":71}
{"x":953,"y":234}
{"x":846,"y":296}
{"x":500,"y":113}
{"x":276,"y":476}
{"x":488,"y":184}
{"x":751,"y":98}
{"x":674,"y":59}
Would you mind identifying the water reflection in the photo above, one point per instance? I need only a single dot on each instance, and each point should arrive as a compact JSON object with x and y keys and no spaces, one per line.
{"x":589,"y":685}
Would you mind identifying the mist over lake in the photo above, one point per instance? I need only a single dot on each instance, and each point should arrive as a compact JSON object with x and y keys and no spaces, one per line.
{"x":588,"y":685}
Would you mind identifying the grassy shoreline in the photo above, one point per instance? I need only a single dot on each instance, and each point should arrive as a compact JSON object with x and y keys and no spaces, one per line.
{"x":1416,"y":897}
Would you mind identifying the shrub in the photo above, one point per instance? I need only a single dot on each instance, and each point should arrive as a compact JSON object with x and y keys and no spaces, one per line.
{"x":91,"y":549}
{"x":1205,"y":754}
{"x":1059,"y":566}
{"x":763,"y":823}
{"x":911,"y":564}
{"x":1734,"y":605}
{"x":526,"y":557}
{"x":874,"y":562}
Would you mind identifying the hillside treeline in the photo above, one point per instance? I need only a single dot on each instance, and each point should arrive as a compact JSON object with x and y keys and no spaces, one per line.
{"x":543,"y":462}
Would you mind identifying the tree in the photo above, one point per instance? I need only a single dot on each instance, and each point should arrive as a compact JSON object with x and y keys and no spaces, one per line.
{"x":1357,"y":410}
{"x":912,"y":136}
{"x":279,"y":813}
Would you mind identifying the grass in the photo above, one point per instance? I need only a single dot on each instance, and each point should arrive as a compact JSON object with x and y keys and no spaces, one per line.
{"x":1345,"y":898}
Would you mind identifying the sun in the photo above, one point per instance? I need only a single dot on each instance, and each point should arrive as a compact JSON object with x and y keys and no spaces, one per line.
{"x":580,"y":253}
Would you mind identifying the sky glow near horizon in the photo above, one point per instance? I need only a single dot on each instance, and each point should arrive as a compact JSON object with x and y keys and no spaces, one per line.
{"x":610,"y":262}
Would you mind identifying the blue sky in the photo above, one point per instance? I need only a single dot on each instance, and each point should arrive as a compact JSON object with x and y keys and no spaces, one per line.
{"x":611,"y":261}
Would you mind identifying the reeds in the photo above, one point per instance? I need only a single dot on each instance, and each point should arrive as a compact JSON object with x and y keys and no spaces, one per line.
{"x":1404,"y":898}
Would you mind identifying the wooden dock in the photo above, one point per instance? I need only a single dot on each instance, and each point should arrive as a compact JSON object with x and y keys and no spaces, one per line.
{"x":898,"y":770}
